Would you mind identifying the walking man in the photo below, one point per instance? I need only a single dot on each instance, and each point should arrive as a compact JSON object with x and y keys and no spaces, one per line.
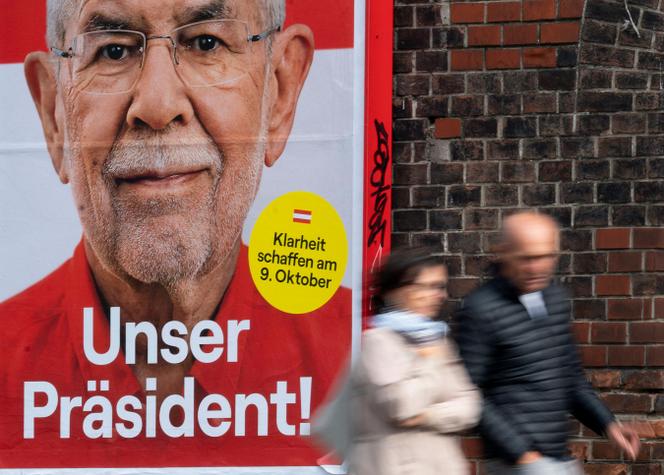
{"x":515,"y":338}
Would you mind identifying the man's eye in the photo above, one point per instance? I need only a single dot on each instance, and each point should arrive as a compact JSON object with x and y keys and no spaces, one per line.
{"x":114,"y":52}
{"x":206,"y":43}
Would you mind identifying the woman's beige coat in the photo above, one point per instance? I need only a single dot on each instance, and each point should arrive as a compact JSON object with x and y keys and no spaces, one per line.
{"x":391,"y":383}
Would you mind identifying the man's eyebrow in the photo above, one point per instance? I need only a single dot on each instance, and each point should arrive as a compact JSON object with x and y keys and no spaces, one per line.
{"x":101,"y":22}
{"x":213,"y":10}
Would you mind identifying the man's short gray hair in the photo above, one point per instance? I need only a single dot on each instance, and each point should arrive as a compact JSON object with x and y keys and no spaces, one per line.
{"x":276,"y":13}
{"x":59,"y":11}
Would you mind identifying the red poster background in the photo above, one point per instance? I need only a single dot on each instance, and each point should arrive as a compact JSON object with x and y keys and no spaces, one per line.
{"x":377,"y":141}
{"x":25,"y":23}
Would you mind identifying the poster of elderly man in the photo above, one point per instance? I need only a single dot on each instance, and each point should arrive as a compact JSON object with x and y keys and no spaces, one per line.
{"x":184,"y":289}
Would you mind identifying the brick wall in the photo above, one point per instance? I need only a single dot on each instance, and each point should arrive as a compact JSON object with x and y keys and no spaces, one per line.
{"x":554,"y":105}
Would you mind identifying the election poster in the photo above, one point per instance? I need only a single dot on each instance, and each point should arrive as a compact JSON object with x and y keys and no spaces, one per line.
{"x":194,"y":195}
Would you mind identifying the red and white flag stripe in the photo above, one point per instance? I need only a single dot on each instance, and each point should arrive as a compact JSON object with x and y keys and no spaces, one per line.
{"x":302,"y":216}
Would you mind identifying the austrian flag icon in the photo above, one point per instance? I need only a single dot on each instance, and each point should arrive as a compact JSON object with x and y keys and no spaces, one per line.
{"x":302,"y":216}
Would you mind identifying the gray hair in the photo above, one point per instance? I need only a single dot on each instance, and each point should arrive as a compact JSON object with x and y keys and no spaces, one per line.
{"x":59,"y":11}
{"x":276,"y":13}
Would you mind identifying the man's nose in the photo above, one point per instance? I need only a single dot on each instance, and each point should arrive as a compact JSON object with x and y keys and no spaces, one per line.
{"x":159,"y":98}
{"x":536,"y":266}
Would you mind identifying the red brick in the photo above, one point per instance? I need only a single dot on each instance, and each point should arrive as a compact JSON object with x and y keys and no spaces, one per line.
{"x":540,"y":102}
{"x":589,"y":309}
{"x":647,"y":468}
{"x":648,"y":430}
{"x":605,"y":378}
{"x":642,"y":456}
{"x":655,"y":261}
{"x":467,"y":12}
{"x":658,"y":451}
{"x":539,"y":58}
{"x":593,"y":355}
{"x":628,"y":402}
{"x":612,"y":285}
{"x":646,"y":332}
{"x":539,"y":10}
{"x":625,"y":261}
{"x":570,"y":9}
{"x":659,"y":307}
{"x":651,"y":379}
{"x":447,"y":128}
{"x":658,"y":427}
{"x":467,"y":60}
{"x":617,"y":238}
{"x":503,"y":11}
{"x":626,"y":355}
{"x":559,"y":32}
{"x":520,"y":34}
{"x":648,"y":305}
{"x":605,"y":450}
{"x":608,"y":332}
{"x":503,"y":58}
{"x":581,"y":332}
{"x":605,"y":469}
{"x":655,"y":355}
{"x":625,"y":309}
{"x":483,"y":35}
{"x":649,"y":238}
{"x":645,"y":430}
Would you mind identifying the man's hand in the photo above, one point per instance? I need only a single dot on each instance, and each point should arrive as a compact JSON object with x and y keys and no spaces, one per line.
{"x":625,"y":437}
{"x":529,"y":457}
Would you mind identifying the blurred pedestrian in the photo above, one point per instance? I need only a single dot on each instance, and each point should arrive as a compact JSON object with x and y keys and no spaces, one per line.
{"x":410,"y":392}
{"x":515,"y":338}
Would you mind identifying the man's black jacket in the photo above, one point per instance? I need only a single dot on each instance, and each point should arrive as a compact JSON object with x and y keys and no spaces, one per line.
{"x":528,"y":370}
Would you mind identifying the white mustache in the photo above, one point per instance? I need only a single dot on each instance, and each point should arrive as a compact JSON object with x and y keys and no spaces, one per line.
{"x":155,"y":157}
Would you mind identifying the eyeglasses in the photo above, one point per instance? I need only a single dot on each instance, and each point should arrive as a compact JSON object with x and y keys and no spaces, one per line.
{"x":206,"y":53}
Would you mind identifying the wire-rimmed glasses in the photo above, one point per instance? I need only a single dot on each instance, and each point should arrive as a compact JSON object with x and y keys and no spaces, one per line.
{"x":206,"y":53}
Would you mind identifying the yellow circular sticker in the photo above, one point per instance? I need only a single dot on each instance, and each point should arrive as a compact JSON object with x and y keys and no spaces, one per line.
{"x":298,"y":252}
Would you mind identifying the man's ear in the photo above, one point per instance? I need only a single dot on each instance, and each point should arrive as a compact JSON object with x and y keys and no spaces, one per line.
{"x":292,"y":54}
{"x":38,"y":68}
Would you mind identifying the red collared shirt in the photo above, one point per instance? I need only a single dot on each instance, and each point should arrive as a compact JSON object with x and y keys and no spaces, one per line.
{"x":41,"y":330}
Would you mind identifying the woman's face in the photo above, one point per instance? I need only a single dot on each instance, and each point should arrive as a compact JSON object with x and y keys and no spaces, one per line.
{"x":426,"y":294}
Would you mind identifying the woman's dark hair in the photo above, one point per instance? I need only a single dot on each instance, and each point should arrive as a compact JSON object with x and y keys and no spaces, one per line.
{"x":400,"y":268}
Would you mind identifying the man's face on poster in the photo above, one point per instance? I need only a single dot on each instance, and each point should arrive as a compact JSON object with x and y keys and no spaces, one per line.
{"x":164,"y":156}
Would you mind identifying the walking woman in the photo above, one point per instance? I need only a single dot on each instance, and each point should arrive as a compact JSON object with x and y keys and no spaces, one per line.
{"x":410,"y":392}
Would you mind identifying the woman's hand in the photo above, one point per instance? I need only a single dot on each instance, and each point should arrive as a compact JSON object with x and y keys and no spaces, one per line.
{"x":429,"y":350}
{"x":414,"y":421}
